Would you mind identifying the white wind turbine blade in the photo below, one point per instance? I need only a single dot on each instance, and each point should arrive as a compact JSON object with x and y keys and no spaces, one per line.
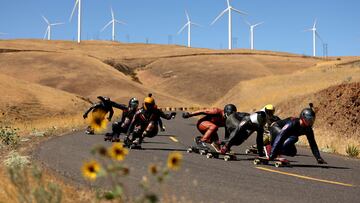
{"x":257,"y":24}
{"x":314,"y":26}
{"x":241,"y":12}
{"x":54,"y":24}
{"x":195,"y":24}
{"x":112,"y":14}
{"x":222,"y":13}
{"x":73,"y":11}
{"x":120,"y":22}
{"x":187,"y":16}
{"x":183,"y":28}
{"x":106,"y":26}
{"x":46,"y":20}
{"x":317,"y":34}
{"x":228,"y":3}
{"x":47,"y":30}
{"x":247,"y":22}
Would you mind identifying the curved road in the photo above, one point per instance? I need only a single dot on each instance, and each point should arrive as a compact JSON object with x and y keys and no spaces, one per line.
{"x":214,"y":180}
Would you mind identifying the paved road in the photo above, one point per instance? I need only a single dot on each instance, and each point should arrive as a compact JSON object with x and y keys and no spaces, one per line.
{"x":214,"y":180}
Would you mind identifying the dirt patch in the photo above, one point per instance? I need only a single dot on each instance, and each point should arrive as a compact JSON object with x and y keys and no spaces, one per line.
{"x":338,"y":115}
{"x":124,"y":69}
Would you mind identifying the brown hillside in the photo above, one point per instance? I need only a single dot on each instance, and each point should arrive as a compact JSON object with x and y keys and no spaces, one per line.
{"x":255,"y":93}
{"x":176,"y":71}
{"x":77,"y":74}
{"x":23,"y":101}
{"x":338,"y":108}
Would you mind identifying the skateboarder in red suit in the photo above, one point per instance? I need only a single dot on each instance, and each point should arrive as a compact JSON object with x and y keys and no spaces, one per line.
{"x":208,"y":125}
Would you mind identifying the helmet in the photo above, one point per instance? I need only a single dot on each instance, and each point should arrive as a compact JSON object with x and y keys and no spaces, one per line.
{"x":133,"y":103}
{"x":307,"y":116}
{"x":229,"y":109}
{"x":269,"y":109}
{"x":149,"y":102}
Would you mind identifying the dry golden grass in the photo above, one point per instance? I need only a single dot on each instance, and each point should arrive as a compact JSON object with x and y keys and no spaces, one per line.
{"x":77,"y":74}
{"x":254,"y":94}
{"x":175,"y":74}
{"x":204,"y":79}
{"x":8,"y":192}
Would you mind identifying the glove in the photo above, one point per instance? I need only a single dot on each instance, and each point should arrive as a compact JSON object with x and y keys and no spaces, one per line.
{"x":321,"y":161}
{"x":186,"y":115}
{"x":84,"y":116}
{"x":173,"y":114}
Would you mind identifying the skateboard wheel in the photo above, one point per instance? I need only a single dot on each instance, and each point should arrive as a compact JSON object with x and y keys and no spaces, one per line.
{"x":247,"y":151}
{"x":226,"y":158}
{"x":209,"y":156}
{"x":257,"y":161}
{"x":278,"y":164}
{"x":189,"y":150}
{"x":202,"y":152}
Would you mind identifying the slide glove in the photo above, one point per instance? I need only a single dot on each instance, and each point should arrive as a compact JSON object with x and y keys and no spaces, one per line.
{"x":321,"y":161}
{"x":173,"y":114}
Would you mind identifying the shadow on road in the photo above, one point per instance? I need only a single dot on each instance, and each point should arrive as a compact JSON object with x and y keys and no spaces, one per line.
{"x":163,"y":149}
{"x":317,"y":166}
{"x":150,"y":142}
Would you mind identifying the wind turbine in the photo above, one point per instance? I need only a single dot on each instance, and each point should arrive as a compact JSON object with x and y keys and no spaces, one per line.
{"x":48,"y":29}
{"x":252,"y":33}
{"x":188,"y":25}
{"x":229,"y":9}
{"x":78,"y":4}
{"x":315,"y":33}
{"x":113,"y":21}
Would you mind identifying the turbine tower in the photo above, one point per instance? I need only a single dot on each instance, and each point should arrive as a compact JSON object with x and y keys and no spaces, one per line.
{"x":229,"y":9}
{"x":315,"y":34}
{"x":252,"y":33}
{"x":112,"y":21}
{"x":78,"y":4}
{"x":188,"y":25}
{"x":48,"y":29}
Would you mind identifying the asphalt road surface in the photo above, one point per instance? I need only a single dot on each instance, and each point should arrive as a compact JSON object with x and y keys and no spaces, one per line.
{"x":214,"y":180}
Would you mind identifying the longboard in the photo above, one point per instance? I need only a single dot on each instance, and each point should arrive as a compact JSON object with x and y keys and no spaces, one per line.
{"x":278,"y":162}
{"x":195,"y":149}
{"x":226,"y":157}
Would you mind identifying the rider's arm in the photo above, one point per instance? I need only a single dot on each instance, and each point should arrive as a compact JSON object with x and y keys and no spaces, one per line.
{"x":314,"y":148}
{"x":90,"y":109}
{"x":111,"y":113}
{"x":165,"y":115}
{"x":227,"y":134}
{"x":118,"y":106}
{"x":204,"y":112}
{"x":132,"y":124}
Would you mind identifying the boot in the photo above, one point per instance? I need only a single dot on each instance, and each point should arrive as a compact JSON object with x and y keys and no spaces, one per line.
{"x":216,"y":146}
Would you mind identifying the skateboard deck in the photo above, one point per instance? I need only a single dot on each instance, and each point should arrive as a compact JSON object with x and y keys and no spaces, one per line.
{"x":227,"y":157}
{"x":198,"y":150}
{"x":278,"y":162}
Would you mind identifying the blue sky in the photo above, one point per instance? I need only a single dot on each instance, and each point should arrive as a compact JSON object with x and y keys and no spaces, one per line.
{"x":155,"y":20}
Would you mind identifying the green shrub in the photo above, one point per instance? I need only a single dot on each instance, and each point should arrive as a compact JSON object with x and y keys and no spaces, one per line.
{"x":9,"y":136}
{"x":352,"y":151}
